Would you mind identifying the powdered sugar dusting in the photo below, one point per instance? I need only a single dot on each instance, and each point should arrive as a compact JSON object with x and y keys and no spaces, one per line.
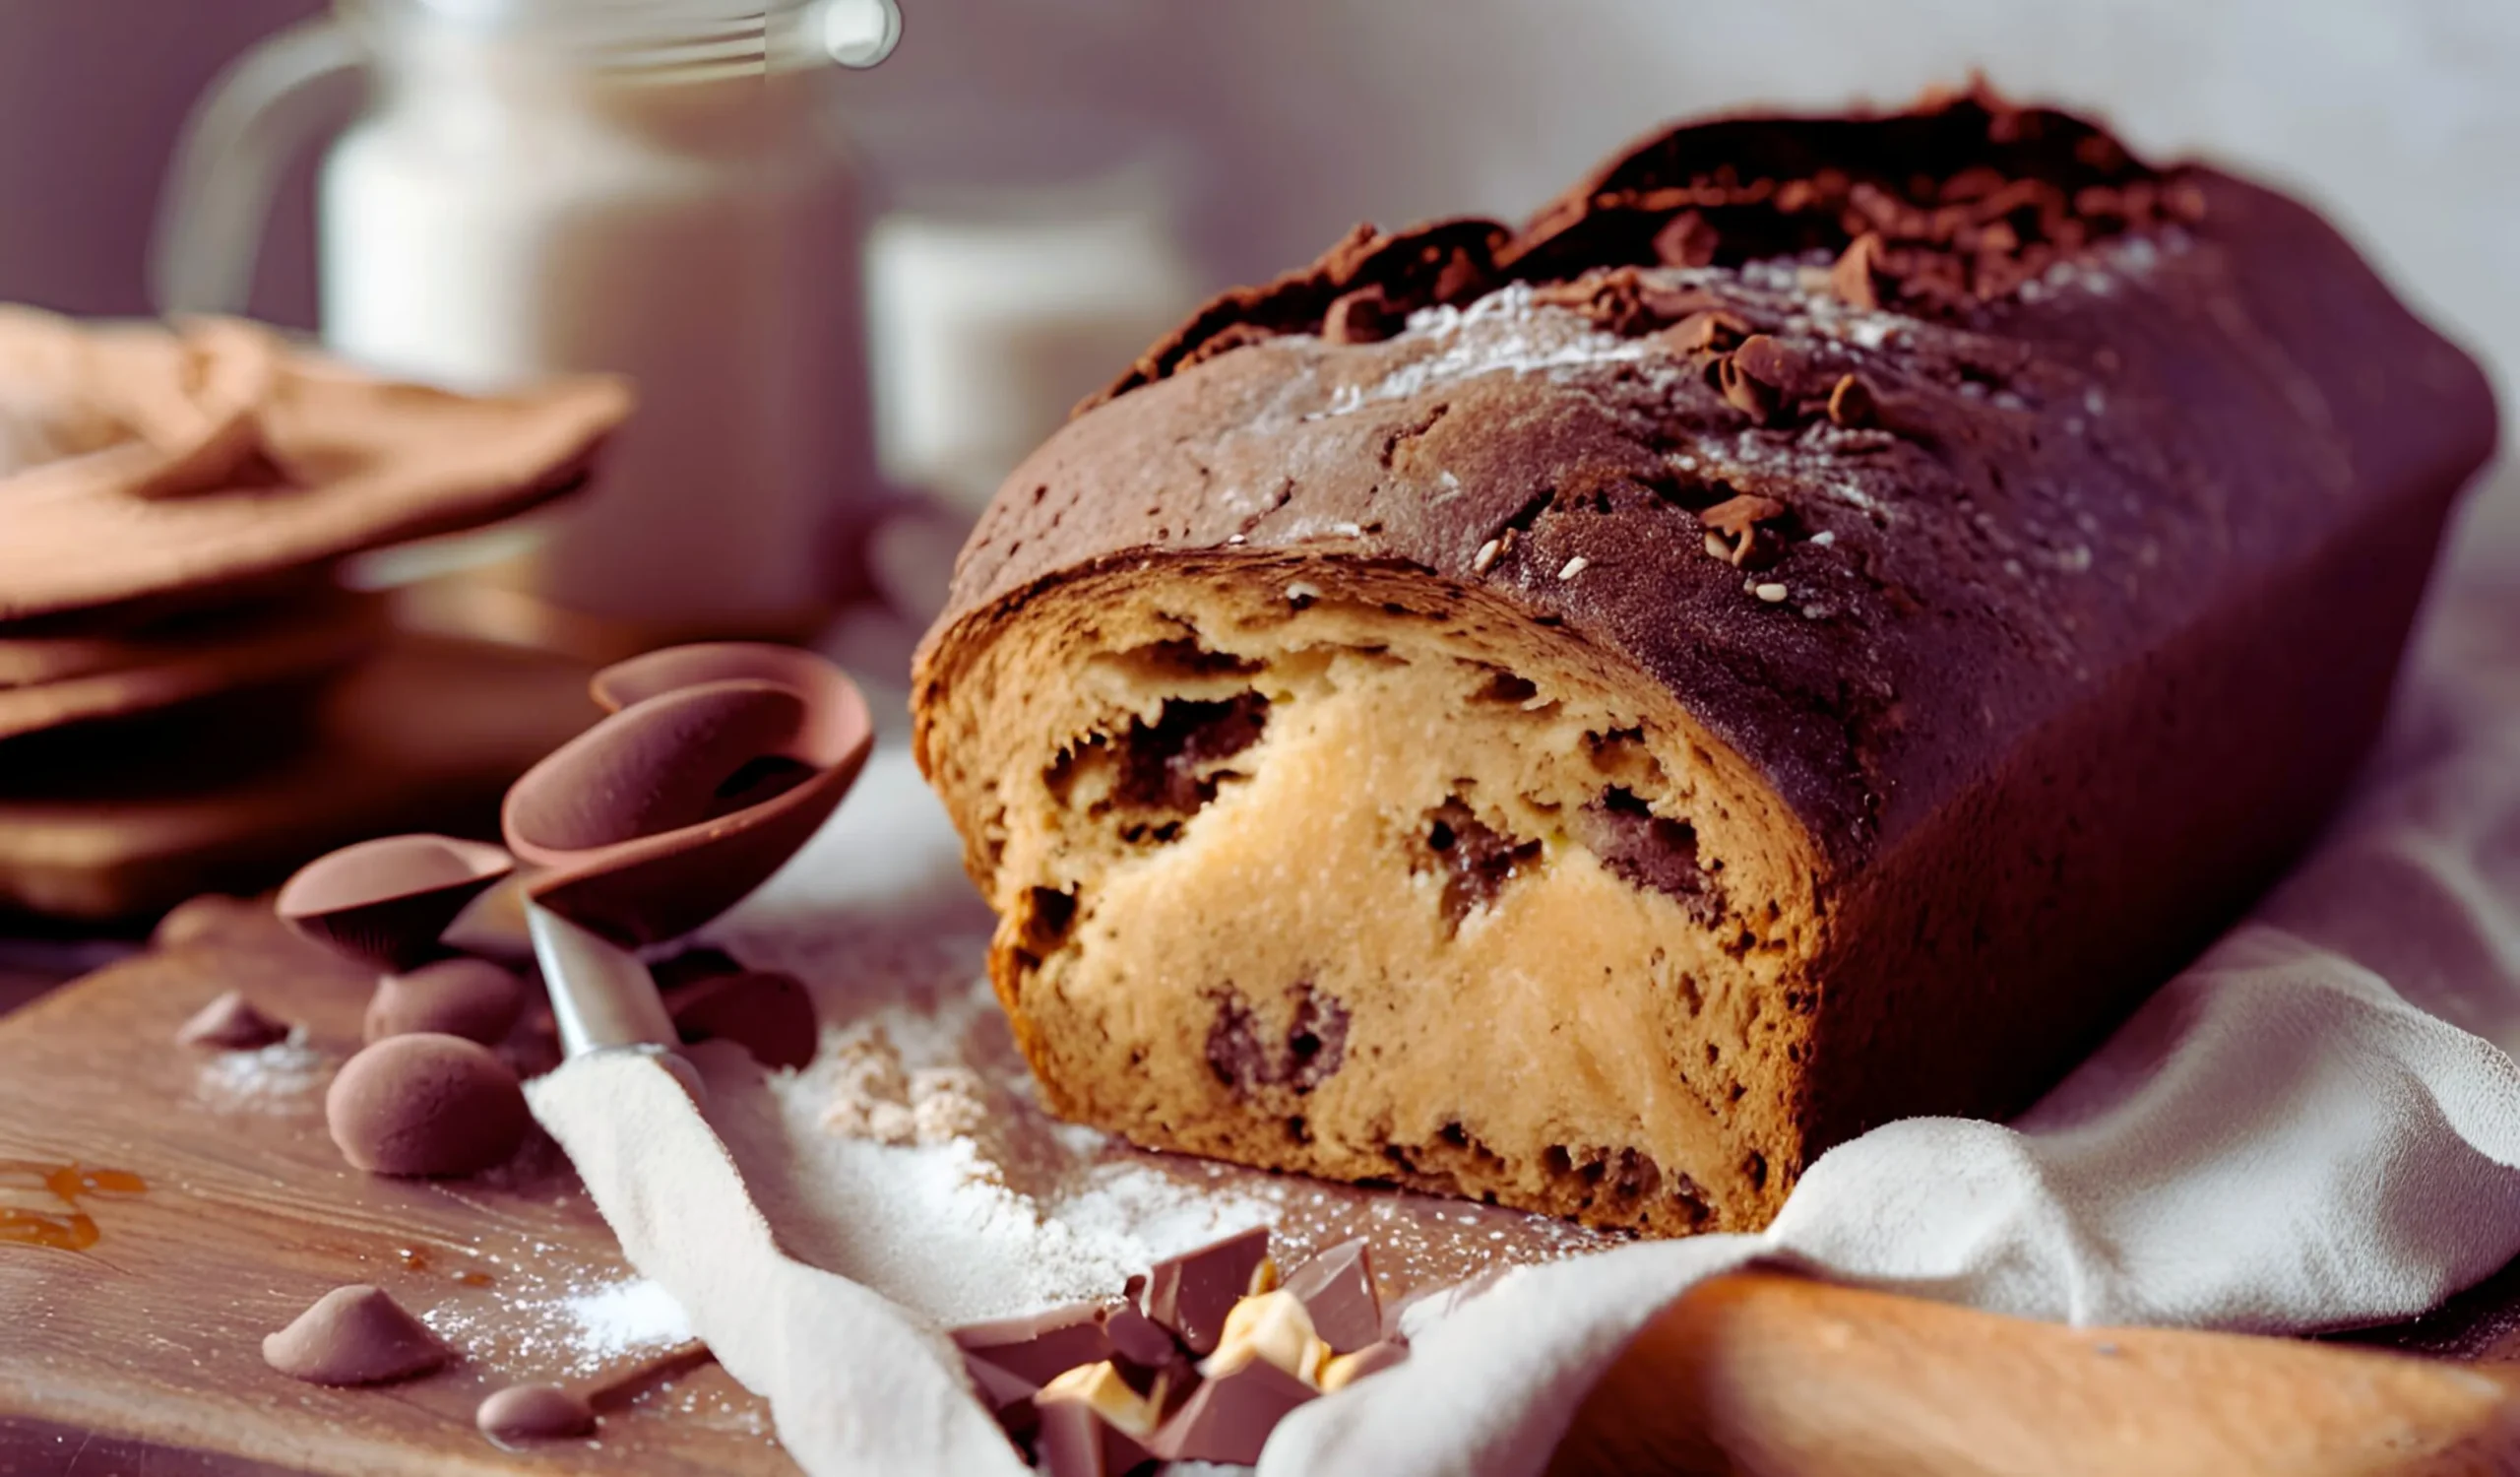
{"x":282,"y":1077}
{"x":1502,"y":333}
{"x":563,"y":1329}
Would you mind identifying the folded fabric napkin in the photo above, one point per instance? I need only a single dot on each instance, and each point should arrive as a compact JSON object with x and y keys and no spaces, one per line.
{"x":2315,"y":1125}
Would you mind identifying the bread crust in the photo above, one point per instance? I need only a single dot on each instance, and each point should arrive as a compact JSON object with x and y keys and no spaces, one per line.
{"x":2050,"y":597}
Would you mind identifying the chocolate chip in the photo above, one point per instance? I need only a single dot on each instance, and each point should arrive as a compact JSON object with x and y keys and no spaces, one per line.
{"x":1649,"y":850}
{"x":1315,"y":1043}
{"x":469,"y":998}
{"x":1318,"y":1041}
{"x":533,"y":1412}
{"x":425,"y":1105}
{"x":231,"y":1022}
{"x":1476,"y":860}
{"x":1162,"y":763}
{"x":353,"y":1335}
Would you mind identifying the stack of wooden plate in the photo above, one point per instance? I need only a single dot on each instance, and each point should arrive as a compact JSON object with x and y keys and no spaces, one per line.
{"x":173,"y":504}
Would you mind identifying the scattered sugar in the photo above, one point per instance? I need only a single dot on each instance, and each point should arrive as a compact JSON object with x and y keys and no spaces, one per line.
{"x":276,"y":1078}
{"x":625,"y":1316}
{"x":556,"y":1328}
{"x":1502,"y":333}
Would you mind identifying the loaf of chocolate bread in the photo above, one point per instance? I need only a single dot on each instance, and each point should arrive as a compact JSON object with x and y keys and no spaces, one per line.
{"x":1805,"y":632}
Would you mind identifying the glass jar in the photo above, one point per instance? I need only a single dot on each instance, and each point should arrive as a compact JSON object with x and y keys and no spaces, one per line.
{"x":651,"y":187}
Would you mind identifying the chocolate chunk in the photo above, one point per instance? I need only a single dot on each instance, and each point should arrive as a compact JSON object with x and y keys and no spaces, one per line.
{"x":1337,"y":1288}
{"x":1163,"y":765}
{"x":533,"y":1412}
{"x":353,"y":1335}
{"x":1229,"y":1418}
{"x":1316,"y":1043}
{"x":231,"y":1023}
{"x":1072,"y":1440}
{"x":1136,"y":1339}
{"x":1478,"y":859}
{"x":767,"y":1013}
{"x":469,"y":998}
{"x":426,"y":1105}
{"x":1038,"y":1347}
{"x":1646,"y":850}
{"x":1191,"y":1294}
{"x":1372,"y":1359}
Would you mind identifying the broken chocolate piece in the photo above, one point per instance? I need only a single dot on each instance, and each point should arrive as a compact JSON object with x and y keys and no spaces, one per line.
{"x":1037,"y":1348}
{"x":1193,"y":1292}
{"x":1230,"y":1417}
{"x":1073,"y":1440}
{"x":1136,"y":1339}
{"x":469,"y":998}
{"x":1646,"y":850}
{"x":353,"y":1335}
{"x":231,"y":1023}
{"x":426,"y":1105}
{"x":533,"y":1412}
{"x":768,"y":1013}
{"x":1163,"y":761}
{"x":1374,"y":1358}
{"x":1337,"y":1288}
{"x":1479,"y":858}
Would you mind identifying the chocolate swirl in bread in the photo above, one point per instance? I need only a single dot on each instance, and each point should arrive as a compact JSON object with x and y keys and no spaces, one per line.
{"x":1805,"y":632}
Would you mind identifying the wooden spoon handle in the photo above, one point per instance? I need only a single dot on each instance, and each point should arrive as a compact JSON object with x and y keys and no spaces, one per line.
{"x":1775,"y":1376}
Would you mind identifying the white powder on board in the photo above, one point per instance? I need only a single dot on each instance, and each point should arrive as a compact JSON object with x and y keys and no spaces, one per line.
{"x":275,"y":1078}
{"x":573,"y":1330}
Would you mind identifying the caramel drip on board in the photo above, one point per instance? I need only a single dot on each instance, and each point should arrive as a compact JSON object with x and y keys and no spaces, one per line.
{"x":69,"y":1229}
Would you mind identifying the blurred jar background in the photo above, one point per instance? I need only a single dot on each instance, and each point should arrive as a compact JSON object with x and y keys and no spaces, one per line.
{"x":1053,"y":180}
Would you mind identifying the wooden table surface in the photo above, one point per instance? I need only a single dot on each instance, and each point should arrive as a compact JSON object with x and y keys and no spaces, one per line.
{"x":138,"y":1353}
{"x":141,"y":1353}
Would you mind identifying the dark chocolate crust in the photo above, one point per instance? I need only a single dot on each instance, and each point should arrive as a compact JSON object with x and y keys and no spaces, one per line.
{"x":2041,"y":527}
{"x":2041,"y":479}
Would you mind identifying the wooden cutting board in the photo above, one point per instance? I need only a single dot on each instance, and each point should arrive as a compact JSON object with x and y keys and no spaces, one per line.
{"x":220,"y":1209}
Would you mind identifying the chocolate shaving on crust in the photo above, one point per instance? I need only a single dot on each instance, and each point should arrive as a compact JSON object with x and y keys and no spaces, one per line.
{"x":1442,"y":261}
{"x":1957,"y":202}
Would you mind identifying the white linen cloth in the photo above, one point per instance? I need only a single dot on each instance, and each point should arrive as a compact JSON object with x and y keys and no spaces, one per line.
{"x":2315,"y":1125}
